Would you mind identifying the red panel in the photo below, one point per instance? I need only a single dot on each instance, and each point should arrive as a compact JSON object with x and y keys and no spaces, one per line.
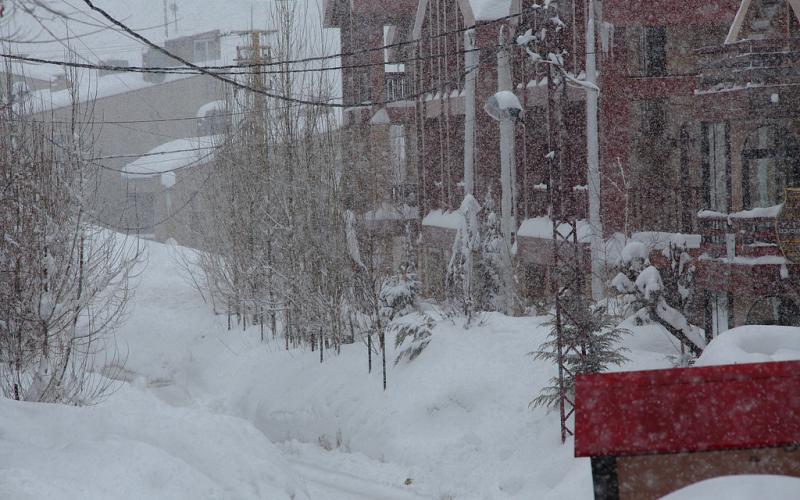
{"x":688,"y":410}
{"x":669,"y":12}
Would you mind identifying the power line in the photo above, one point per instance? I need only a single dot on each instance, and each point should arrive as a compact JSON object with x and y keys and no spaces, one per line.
{"x":178,"y":70}
{"x":289,"y":99}
{"x":187,"y":150}
{"x":244,"y":86}
{"x":330,"y":56}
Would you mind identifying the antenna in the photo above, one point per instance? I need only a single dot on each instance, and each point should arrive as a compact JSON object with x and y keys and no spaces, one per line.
{"x":174,"y":8}
{"x":166,"y":20}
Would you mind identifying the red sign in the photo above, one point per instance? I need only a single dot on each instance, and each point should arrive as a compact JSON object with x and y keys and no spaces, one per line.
{"x":688,"y":410}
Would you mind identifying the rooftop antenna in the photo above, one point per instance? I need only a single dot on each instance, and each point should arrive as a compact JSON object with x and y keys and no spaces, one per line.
{"x":166,"y":21}
{"x":174,"y":8}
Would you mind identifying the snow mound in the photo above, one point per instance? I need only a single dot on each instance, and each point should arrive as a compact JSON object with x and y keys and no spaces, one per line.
{"x":133,"y":446}
{"x":744,"y":487}
{"x":634,"y":251}
{"x":753,"y":344}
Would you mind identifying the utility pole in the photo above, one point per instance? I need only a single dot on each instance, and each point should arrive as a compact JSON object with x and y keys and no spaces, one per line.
{"x":593,"y":156}
{"x":546,"y":48}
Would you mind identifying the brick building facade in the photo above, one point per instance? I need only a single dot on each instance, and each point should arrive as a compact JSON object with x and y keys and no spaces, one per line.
{"x":698,"y":124}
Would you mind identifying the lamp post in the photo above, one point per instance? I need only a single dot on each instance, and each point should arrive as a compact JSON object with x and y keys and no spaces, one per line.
{"x":505,"y":108}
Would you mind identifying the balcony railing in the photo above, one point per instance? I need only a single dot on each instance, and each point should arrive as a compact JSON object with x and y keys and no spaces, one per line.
{"x":749,"y":63}
{"x":750,"y":234}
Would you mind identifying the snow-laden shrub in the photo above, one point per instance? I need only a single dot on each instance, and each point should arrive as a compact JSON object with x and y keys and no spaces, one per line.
{"x":460,"y":282}
{"x":643,"y":292}
{"x":412,"y":334}
{"x":398,"y":295}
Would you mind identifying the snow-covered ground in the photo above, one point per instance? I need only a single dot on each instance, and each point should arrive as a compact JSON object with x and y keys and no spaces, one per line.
{"x":198,"y":409}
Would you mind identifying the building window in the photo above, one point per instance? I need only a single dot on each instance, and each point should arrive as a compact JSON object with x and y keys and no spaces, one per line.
{"x":774,"y":310}
{"x":769,"y":165}
{"x":654,"y":117}
{"x":391,"y":90}
{"x":716,"y":166}
{"x":653,"y":51}
{"x":203,"y":50}
{"x":718,"y":313}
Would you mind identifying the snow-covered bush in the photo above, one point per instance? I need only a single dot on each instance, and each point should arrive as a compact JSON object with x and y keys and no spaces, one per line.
{"x":596,"y":338}
{"x":460,"y":284}
{"x":398,"y":295}
{"x":412,"y":334}
{"x":633,"y":260}
{"x":643,"y":292}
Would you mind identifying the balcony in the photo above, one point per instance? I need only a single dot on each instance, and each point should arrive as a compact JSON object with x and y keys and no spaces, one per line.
{"x":747,"y":237}
{"x":749,"y":64}
{"x":740,"y":253}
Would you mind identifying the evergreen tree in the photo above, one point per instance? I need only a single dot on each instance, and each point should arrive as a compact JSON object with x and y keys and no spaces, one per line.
{"x":490,"y":264}
{"x":412,"y":334}
{"x":598,"y":338}
{"x":460,"y":284}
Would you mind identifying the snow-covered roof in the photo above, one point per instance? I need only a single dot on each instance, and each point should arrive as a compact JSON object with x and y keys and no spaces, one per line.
{"x":168,"y":157}
{"x":666,"y":411}
{"x":753,"y":213}
{"x":741,"y":14}
{"x":34,"y":36}
{"x":542,"y":227}
{"x":93,"y":44}
{"x":93,"y":87}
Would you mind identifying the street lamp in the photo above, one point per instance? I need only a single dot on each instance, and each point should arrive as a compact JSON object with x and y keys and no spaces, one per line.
{"x":504,"y":107}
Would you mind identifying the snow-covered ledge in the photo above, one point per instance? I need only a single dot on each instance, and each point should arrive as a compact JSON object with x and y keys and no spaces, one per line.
{"x":443,"y":219}
{"x":755,"y":213}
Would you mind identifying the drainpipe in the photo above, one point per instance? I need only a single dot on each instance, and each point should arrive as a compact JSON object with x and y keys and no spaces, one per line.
{"x":593,"y":158}
{"x":471,"y":67}
{"x":507,"y":154}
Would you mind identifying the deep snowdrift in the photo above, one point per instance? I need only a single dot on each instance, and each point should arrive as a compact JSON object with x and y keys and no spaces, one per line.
{"x":753,"y":344}
{"x":745,"y":487}
{"x":134,"y":446}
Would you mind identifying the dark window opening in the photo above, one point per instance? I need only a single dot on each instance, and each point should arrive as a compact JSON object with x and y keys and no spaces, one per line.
{"x":769,"y":165}
{"x":653,"y":47}
{"x":774,"y":310}
{"x":654,"y":118}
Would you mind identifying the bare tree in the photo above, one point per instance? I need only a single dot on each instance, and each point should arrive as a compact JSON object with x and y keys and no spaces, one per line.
{"x":64,"y":281}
